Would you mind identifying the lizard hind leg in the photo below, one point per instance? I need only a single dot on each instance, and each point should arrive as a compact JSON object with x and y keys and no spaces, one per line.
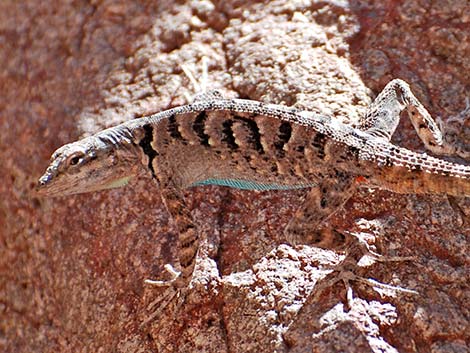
{"x":321,"y":202}
{"x":346,"y":272}
{"x":383,"y":115}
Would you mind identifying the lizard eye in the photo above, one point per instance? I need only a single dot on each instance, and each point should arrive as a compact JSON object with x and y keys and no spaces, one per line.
{"x":75,"y":158}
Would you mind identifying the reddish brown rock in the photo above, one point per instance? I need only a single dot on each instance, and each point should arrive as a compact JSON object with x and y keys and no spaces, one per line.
{"x":72,"y":269}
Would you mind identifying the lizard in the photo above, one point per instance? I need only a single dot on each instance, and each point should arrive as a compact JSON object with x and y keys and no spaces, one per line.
{"x":248,"y":144}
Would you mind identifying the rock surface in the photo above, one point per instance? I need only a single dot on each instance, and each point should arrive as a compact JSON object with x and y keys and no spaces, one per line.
{"x":72,"y":269}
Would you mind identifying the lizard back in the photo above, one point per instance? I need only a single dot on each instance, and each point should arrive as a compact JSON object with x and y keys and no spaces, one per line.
{"x":245,"y":145}
{"x":251,"y":145}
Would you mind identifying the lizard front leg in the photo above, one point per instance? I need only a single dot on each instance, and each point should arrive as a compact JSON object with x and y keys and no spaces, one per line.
{"x":188,"y":236}
{"x":187,"y":241}
{"x":188,"y":246}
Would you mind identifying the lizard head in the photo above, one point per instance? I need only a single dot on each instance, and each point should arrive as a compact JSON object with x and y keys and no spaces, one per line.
{"x":102,"y":161}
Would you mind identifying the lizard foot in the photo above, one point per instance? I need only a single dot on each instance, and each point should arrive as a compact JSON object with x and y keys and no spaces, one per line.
{"x":344,"y":272}
{"x":363,"y":253}
{"x":174,"y":290}
{"x":347,"y":276}
{"x":175,"y":274}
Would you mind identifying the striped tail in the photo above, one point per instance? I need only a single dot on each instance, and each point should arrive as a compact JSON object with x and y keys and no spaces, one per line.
{"x":404,"y":171}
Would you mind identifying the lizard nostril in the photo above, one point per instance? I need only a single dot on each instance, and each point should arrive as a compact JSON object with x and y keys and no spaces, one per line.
{"x":44,"y":180}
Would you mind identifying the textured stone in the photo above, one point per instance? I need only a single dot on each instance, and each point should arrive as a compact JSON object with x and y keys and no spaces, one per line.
{"x":72,"y":269}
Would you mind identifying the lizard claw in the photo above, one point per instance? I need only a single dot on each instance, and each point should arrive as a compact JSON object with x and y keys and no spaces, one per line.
{"x":347,"y":276}
{"x":356,"y":254}
{"x":175,"y":274}
{"x":157,"y":306}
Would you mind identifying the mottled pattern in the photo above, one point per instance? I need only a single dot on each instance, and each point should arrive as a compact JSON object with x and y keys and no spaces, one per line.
{"x":252,"y":145}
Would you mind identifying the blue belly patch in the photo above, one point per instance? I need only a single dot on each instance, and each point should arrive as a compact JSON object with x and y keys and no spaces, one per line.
{"x":250,"y":185}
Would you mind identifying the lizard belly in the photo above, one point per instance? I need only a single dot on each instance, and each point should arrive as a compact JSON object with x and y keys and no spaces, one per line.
{"x":239,"y":150}
{"x":251,"y":185}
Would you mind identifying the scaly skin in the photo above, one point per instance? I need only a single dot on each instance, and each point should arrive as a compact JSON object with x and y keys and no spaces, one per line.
{"x":252,"y":145}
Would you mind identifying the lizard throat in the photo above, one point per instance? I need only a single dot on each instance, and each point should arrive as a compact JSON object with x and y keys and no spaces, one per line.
{"x":117,"y":183}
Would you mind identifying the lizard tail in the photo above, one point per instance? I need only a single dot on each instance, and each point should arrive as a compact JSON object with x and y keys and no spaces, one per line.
{"x":404,"y":171}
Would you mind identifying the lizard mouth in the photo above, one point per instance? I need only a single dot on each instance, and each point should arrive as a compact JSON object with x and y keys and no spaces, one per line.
{"x":52,"y":185}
